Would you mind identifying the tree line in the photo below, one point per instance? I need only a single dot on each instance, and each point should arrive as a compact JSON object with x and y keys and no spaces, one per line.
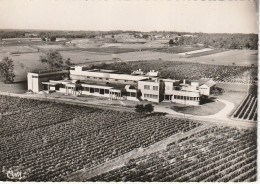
{"x":227,"y":41}
{"x":216,"y":40}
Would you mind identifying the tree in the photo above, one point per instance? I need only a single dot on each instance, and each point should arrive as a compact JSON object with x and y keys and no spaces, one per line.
{"x":53,"y":38}
{"x":67,"y":62}
{"x":7,"y":70}
{"x":139,"y":108}
{"x":53,"y":59}
{"x":171,"y":42}
{"x":148,"y":108}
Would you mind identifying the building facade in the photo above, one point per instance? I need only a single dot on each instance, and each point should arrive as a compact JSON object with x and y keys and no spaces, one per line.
{"x":114,"y":85}
{"x":35,"y":79}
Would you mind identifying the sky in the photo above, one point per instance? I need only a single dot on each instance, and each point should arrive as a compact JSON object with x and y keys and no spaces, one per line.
{"x":138,"y":15}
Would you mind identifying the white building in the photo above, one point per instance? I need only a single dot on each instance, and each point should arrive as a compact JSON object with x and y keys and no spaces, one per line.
{"x":151,"y":89}
{"x":99,"y":75}
{"x":35,"y":79}
{"x":114,"y":85}
{"x":206,"y":86}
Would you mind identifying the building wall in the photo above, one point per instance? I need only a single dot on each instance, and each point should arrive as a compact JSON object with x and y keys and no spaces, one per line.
{"x":101,"y":79}
{"x":149,"y":94}
{"x":78,"y":72}
{"x":186,"y":102}
{"x":204,"y":90}
{"x":35,"y":80}
{"x":187,"y":97}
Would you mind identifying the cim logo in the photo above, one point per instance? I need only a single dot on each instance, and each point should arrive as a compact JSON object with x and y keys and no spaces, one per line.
{"x":16,"y":173}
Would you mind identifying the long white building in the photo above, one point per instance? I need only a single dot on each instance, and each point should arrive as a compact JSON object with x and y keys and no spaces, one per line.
{"x":115,"y":85}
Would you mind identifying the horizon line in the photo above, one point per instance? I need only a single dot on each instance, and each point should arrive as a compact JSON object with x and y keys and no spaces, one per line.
{"x":64,"y":30}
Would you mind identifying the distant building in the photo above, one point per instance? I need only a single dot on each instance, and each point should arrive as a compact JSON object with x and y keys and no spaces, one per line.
{"x":138,"y":72}
{"x":30,"y":35}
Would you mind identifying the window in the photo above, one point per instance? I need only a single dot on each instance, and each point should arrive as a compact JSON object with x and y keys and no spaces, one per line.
{"x":102,"y":91}
{"x":155,"y":96}
{"x":146,"y":87}
{"x":95,"y":78}
{"x":100,"y":78}
{"x":106,"y":91}
{"x":155,"y":88}
{"x":148,"y":96}
{"x":126,"y":80}
{"x":127,"y":93}
{"x":86,"y":89}
{"x":116,"y":79}
{"x":107,"y":79}
{"x":133,"y":94}
{"x":97,"y":90}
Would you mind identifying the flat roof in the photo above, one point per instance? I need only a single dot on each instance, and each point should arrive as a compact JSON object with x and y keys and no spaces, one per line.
{"x":47,"y":71}
{"x":50,"y":83}
{"x":101,"y":84}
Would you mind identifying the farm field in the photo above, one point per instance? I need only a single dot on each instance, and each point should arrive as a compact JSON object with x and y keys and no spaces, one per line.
{"x":191,"y":71}
{"x":247,"y":110}
{"x":239,"y":57}
{"x":216,"y":154}
{"x":26,"y":54}
{"x":46,"y":141}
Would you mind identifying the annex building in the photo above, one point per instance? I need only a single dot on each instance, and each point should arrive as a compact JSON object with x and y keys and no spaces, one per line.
{"x":115,"y":85}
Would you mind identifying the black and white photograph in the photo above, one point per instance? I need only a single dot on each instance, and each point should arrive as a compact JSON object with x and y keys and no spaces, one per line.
{"x":128,"y":91}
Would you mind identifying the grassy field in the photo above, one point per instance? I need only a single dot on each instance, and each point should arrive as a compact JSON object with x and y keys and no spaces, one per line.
{"x":202,"y":110}
{"x":239,"y":57}
{"x":26,"y":56}
{"x":20,"y":87}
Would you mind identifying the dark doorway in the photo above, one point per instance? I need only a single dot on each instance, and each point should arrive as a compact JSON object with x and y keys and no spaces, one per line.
{"x":102,"y":91}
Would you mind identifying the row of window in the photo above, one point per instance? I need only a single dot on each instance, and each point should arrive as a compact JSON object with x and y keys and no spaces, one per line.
{"x":186,"y":98}
{"x":155,"y":88}
{"x":150,"y":96}
{"x":100,"y":78}
{"x":131,"y":94}
{"x":95,"y":90}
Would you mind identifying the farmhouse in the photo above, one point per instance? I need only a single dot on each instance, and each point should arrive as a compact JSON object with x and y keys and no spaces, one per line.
{"x":115,"y":85}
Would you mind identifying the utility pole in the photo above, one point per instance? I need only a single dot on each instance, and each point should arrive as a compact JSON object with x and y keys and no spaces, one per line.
{"x":184,"y":107}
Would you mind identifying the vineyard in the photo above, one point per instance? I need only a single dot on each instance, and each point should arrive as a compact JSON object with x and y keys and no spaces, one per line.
{"x":45,"y":141}
{"x":247,"y":110}
{"x":191,"y":71}
{"x":218,"y":154}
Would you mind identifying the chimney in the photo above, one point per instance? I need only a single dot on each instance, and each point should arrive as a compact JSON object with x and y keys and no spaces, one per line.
{"x":184,"y":81}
